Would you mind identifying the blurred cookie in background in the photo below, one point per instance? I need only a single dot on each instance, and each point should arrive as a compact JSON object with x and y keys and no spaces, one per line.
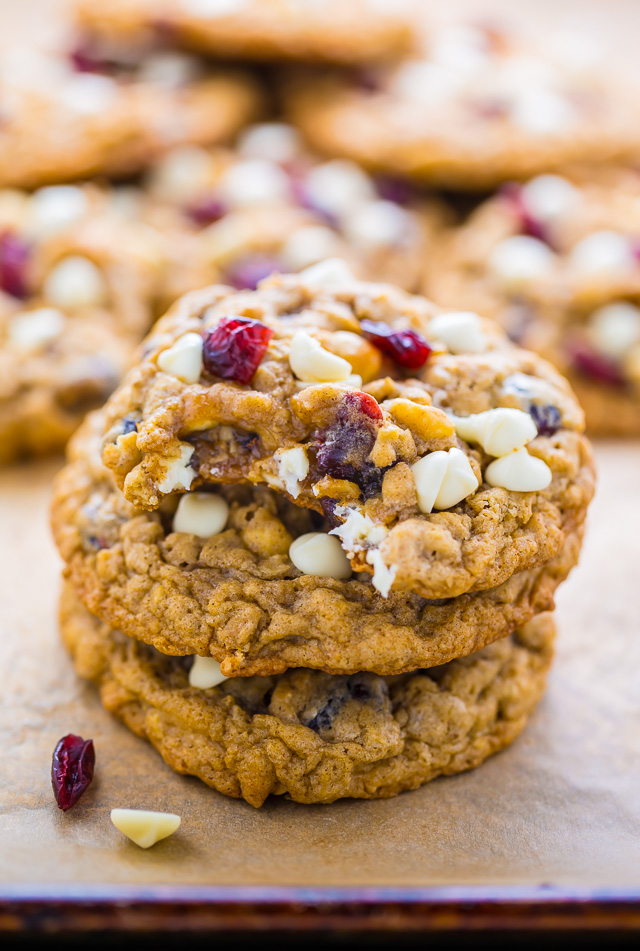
{"x":557,"y":262}
{"x":66,"y":118}
{"x":326,"y":31}
{"x":236,"y":216}
{"x":481,"y":106}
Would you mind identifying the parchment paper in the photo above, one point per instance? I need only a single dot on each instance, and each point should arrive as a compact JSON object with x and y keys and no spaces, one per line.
{"x":561,"y":806}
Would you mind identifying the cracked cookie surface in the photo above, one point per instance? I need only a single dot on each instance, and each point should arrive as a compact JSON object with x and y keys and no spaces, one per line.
{"x":347,"y":388}
{"x":237,"y":596}
{"x":309,"y":735}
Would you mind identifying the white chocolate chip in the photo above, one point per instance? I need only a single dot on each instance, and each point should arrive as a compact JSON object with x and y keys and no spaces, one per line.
{"x":383,"y":574}
{"x":520,"y":260}
{"x":273,"y":141}
{"x":377,"y":224}
{"x":205,"y":673}
{"x":143,"y":827}
{"x":603,"y":253}
{"x":615,"y":328}
{"x":179,"y":474}
{"x":499,"y":431}
{"x":309,"y":245}
{"x":358,"y":531}
{"x":326,"y":274}
{"x":518,"y":471}
{"x":425,"y":82}
{"x":317,"y":553}
{"x":88,"y":93}
{"x":339,"y":186}
{"x":52,"y":209}
{"x":75,"y":282}
{"x":293,"y":467}
{"x":182,"y":173}
{"x":254,"y":181}
{"x":201,"y":514}
{"x":32,"y":329}
{"x":311,"y":363}
{"x":542,"y":111}
{"x":169,"y":69}
{"x":460,"y":332}
{"x":443,"y":478}
{"x":184,"y":359}
{"x":549,"y":197}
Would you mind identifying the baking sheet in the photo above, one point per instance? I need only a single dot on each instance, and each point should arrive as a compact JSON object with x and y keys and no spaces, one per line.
{"x":560,"y":807}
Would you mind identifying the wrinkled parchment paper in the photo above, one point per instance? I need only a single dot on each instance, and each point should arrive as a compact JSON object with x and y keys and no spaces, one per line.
{"x":561,"y":806}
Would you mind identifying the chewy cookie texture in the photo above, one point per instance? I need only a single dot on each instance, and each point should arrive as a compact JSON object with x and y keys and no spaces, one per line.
{"x":445,"y":458}
{"x":309,"y":735}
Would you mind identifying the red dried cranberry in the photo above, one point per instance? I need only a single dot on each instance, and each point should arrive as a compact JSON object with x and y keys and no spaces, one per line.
{"x":247,"y":273}
{"x":527,"y":223}
{"x":71,"y":769}
{"x":235,"y":347}
{"x":397,"y":190}
{"x":206,"y":210}
{"x":596,"y":365}
{"x":406,"y":347}
{"x":14,"y":257}
{"x":365,"y":403}
{"x":343,"y":448}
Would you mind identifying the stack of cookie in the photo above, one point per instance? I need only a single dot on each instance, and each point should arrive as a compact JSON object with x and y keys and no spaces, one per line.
{"x":312,"y":540}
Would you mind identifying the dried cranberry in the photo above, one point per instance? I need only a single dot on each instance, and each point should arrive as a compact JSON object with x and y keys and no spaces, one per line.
{"x":71,"y":769}
{"x":395,"y":189}
{"x":235,"y":347}
{"x":547,"y":418}
{"x":206,"y":210}
{"x":406,"y":347}
{"x":343,"y":448}
{"x":247,"y":273}
{"x":14,"y":257}
{"x":593,"y":364}
{"x":527,"y":223}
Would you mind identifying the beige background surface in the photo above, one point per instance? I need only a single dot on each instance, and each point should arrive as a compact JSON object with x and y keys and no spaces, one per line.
{"x":562,"y":806}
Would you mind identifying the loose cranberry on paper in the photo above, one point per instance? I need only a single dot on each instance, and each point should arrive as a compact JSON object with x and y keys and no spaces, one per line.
{"x":71,"y":769}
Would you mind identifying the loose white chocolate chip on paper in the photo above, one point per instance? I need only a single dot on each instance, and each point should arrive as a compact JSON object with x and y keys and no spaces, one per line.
{"x":143,"y":827}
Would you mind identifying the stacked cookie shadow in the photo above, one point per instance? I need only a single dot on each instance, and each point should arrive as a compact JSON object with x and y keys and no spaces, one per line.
{"x":312,"y":541}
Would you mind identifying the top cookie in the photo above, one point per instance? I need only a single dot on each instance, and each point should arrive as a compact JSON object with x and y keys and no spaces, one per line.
{"x":556,"y":261}
{"x":360,"y":31}
{"x":65,"y":119}
{"x":480,"y":108}
{"x":447,"y":458}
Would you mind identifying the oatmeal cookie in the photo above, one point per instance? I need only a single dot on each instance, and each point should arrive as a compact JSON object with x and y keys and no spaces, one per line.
{"x":482,"y":106}
{"x":359,"y":31}
{"x":313,"y":736}
{"x":234,"y":217}
{"x":557,"y":262}
{"x":65,"y":119}
{"x":246,"y":577}
{"x":398,"y":422}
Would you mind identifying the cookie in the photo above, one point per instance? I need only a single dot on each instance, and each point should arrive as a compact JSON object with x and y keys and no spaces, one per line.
{"x":261,"y":586}
{"x":78,"y":288}
{"x":360,"y":31}
{"x":397,"y":422}
{"x":312,"y":736}
{"x":483,"y":105}
{"x":270,"y":205}
{"x":61,"y":121}
{"x":556,"y":261}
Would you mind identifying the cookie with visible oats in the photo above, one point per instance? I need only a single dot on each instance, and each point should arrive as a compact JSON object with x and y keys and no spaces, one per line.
{"x":557,"y":262}
{"x":69,"y":119}
{"x":312,"y":736}
{"x":271,"y":205}
{"x":242,"y":575}
{"x":482,"y":105}
{"x":328,"y":31}
{"x":401,"y":424}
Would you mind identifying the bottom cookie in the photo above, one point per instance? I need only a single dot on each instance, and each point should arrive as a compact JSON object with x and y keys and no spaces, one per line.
{"x":313,"y":736}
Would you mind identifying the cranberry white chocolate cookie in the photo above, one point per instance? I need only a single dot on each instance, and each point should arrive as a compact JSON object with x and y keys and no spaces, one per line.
{"x":309,"y":735}
{"x":65,"y":119}
{"x":270,"y":205}
{"x":328,"y":31}
{"x":245,"y":578}
{"x":398,"y":422}
{"x":483,"y":105}
{"x":557,"y":262}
